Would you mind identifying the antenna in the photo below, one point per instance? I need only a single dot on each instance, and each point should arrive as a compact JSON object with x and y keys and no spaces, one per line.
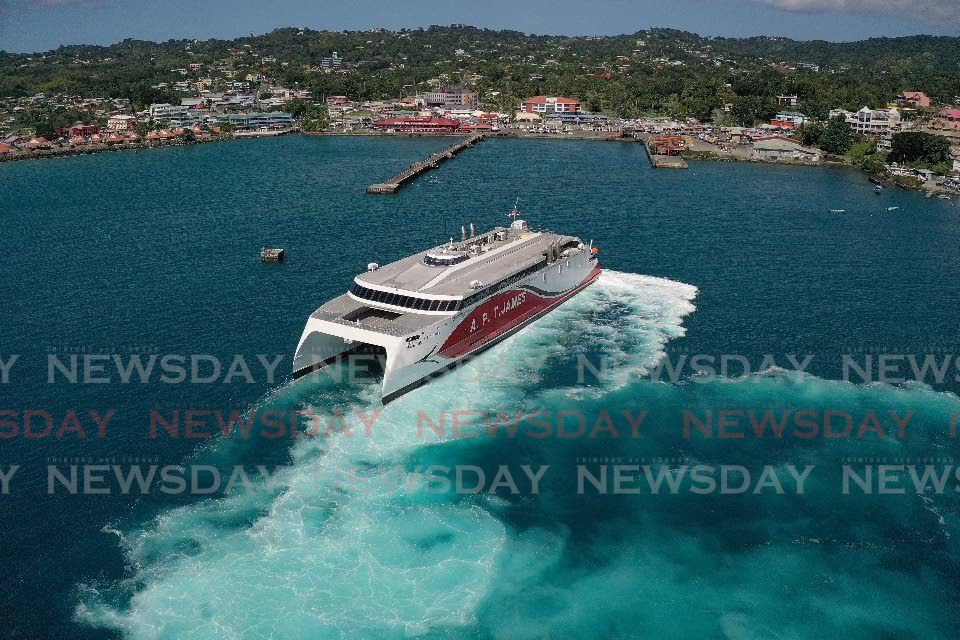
{"x":515,"y":213}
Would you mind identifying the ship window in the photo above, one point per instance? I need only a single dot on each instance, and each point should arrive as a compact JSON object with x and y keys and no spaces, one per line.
{"x":435,"y":305}
{"x":444,"y":261}
{"x":419,"y":303}
{"x":404,"y":301}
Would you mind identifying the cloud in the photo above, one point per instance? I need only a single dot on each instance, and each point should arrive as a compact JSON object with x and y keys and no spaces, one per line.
{"x":935,"y":12}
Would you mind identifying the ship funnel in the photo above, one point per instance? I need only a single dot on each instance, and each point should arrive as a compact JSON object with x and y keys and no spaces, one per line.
{"x":463,"y":233}
{"x":472,"y":230}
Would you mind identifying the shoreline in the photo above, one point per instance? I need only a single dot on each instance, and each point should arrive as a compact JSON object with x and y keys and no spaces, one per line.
{"x":592,"y":136}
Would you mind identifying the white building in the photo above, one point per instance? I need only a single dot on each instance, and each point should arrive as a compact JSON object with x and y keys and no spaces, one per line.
{"x":121,"y":122}
{"x":163,"y":111}
{"x":875,"y":122}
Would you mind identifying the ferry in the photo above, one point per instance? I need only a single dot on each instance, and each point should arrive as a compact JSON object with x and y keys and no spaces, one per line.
{"x":423,"y":315}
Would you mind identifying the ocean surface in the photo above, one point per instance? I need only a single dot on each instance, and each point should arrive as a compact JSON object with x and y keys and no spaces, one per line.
{"x":350,"y":536}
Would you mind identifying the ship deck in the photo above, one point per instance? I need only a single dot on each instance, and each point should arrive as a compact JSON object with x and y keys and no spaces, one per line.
{"x":495,"y":261}
{"x":349,"y":312}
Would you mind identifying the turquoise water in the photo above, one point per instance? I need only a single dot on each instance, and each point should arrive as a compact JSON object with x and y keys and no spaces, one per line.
{"x":158,"y":252}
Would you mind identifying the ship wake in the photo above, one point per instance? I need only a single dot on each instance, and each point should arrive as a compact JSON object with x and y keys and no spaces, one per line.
{"x":347,"y":540}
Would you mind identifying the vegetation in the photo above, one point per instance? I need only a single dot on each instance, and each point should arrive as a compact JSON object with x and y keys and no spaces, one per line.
{"x":837,"y":137}
{"x":314,"y":118}
{"x":46,"y":122}
{"x":865,"y":155}
{"x":657,"y":70}
{"x":919,"y":149}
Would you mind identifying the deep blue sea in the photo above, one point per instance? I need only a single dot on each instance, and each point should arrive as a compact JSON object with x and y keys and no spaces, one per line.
{"x":618,"y":398}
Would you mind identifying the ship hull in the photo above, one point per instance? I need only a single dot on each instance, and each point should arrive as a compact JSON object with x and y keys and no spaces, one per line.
{"x":459,"y":353}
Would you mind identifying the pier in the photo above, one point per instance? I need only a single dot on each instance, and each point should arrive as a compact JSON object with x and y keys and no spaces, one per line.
{"x":665,"y":150}
{"x":393,"y":184}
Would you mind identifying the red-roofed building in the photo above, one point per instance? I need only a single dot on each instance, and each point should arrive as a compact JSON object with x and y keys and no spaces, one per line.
{"x":84,"y":130}
{"x":5,"y":150}
{"x":39,"y":143}
{"x":418,"y":124}
{"x":916,"y":98}
{"x":551,"y":104}
{"x":949,"y":119}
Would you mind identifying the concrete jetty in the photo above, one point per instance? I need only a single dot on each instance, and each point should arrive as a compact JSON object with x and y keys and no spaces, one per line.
{"x":397,"y":181}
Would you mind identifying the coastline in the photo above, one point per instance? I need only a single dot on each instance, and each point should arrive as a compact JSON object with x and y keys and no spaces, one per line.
{"x":689,"y":155}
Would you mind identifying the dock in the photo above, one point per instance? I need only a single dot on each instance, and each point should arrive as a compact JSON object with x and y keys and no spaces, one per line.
{"x":665,"y":150}
{"x":393,"y":184}
{"x":667,"y":162}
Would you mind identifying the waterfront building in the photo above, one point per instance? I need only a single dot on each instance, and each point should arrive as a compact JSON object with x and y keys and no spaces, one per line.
{"x":551,"y":104}
{"x":81,"y":130}
{"x":256,"y":121}
{"x":875,"y":122}
{"x":778,"y":149}
{"x":449,"y":98}
{"x":5,"y":150}
{"x":39,"y":142}
{"x":163,"y":111}
{"x":121,"y":122}
{"x":418,"y":124}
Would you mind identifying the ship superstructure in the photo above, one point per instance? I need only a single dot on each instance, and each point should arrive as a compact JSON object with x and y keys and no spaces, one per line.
{"x":433,"y":310}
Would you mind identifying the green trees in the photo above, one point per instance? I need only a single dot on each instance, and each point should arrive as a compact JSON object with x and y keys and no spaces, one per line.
{"x":810,"y":133}
{"x":314,"y":118}
{"x":837,"y":136}
{"x":749,"y":110}
{"x":864,"y":155}
{"x":915,"y":147}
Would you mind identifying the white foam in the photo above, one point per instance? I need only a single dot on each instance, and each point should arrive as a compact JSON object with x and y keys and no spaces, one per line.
{"x":353,"y":557}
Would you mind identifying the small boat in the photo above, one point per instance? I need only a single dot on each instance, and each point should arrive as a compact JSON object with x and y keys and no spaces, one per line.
{"x":878,"y":189}
{"x":892,"y":208}
{"x":838,"y":210}
{"x":943,"y":196}
{"x":928,"y":194}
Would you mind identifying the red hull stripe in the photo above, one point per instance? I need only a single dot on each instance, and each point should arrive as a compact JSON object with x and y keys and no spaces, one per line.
{"x":500,"y":314}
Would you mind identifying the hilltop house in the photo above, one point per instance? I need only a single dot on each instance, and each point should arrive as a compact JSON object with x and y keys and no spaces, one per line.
{"x":916,"y":99}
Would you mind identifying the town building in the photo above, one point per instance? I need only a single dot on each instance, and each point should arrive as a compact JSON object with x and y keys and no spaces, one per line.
{"x":418,"y":124}
{"x":550,"y":104}
{"x":916,"y":99}
{"x":162,"y":111}
{"x":333,"y":62}
{"x":121,"y":122}
{"x":874,"y":122}
{"x":789,"y":119}
{"x":778,"y":149}
{"x":256,"y":121}
{"x":449,"y":98}
{"x":948,"y":119}
{"x":786,"y":101}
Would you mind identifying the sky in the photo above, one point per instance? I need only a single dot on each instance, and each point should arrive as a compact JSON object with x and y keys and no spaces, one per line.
{"x":41,"y":25}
